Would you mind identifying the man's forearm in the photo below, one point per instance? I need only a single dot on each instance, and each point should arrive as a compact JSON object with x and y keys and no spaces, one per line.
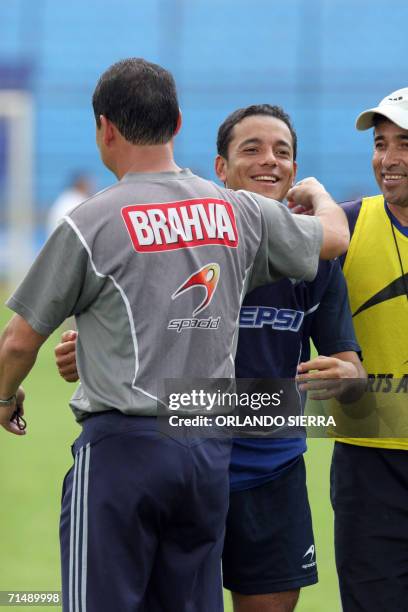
{"x":14,"y":367}
{"x":19,"y":346}
{"x":310,"y":196}
{"x":336,"y":234}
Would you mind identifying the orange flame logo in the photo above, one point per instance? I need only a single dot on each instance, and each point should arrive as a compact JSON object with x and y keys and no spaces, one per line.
{"x":207,"y":278}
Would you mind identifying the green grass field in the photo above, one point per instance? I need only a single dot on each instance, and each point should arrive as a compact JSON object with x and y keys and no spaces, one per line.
{"x":31,"y":473}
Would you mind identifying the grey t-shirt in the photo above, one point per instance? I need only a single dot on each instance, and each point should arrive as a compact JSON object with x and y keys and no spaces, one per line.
{"x":154,"y":269}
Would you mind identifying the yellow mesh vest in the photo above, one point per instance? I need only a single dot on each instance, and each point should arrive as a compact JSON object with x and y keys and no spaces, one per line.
{"x":380,"y":317}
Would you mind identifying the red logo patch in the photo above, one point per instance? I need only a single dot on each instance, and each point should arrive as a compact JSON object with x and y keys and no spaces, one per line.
{"x":180,"y":225}
{"x":207,"y":278}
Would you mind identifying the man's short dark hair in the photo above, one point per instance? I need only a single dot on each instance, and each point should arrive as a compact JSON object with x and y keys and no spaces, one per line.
{"x":224,"y":136}
{"x":140,"y":99}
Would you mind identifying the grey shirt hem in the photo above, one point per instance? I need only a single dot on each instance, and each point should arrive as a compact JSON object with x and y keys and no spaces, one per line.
{"x":24,"y":311}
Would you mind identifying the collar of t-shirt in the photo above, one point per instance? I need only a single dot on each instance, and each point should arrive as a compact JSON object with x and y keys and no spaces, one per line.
{"x":184,"y":173}
{"x":402,"y":228}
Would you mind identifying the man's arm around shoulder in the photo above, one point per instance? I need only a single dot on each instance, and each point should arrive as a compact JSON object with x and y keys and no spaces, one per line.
{"x":310,"y":197}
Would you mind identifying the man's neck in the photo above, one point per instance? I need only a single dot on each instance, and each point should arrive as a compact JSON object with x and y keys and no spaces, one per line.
{"x":400,"y":213}
{"x":146,"y":159}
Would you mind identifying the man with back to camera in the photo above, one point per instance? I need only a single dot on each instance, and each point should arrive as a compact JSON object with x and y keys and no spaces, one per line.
{"x":369,"y":487}
{"x":257,"y":152}
{"x":149,"y":538}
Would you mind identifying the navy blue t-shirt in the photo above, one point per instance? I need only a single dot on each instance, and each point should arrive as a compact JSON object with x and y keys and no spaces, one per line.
{"x":276,"y":324}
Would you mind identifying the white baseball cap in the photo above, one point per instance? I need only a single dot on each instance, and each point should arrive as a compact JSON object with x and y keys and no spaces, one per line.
{"x":394,"y":107}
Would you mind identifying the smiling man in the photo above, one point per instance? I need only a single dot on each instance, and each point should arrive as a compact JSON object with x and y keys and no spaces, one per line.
{"x":258,"y":151}
{"x":370,"y":476}
{"x":269,"y":552}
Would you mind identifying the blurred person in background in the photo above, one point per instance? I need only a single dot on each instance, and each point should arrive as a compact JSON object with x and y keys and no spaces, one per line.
{"x":80,"y":188}
{"x":369,"y":487}
{"x":269,"y":549}
{"x":143,"y":514}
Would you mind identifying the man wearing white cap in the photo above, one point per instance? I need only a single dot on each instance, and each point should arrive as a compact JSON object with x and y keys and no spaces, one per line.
{"x":370,"y":475}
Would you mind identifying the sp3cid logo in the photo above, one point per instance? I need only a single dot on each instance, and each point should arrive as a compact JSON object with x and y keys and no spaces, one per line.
{"x":310,"y":561}
{"x":205,"y":278}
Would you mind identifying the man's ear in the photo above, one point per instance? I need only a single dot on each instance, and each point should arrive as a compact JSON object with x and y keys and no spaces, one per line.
{"x":107,"y":130}
{"x":179,"y":123}
{"x":221,"y":168}
{"x":294,"y":173}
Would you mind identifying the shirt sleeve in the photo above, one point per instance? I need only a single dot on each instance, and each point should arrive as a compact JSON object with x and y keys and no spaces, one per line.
{"x":290,"y":244}
{"x":352,"y":209}
{"x":61,"y":282}
{"x":332,"y":329}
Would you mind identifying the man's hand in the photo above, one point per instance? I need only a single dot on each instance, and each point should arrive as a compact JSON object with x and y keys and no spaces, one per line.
{"x":19,"y":346}
{"x":332,"y":377}
{"x":6,"y":414}
{"x":306,"y":195}
{"x":65,"y":356}
{"x":327,"y":367}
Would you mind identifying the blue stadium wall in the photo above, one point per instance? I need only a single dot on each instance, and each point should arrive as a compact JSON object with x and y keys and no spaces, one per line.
{"x":323,"y":60}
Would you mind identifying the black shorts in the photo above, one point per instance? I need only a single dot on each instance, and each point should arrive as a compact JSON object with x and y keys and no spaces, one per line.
{"x":143,"y":516}
{"x":369,"y":492}
{"x":269,"y":543}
